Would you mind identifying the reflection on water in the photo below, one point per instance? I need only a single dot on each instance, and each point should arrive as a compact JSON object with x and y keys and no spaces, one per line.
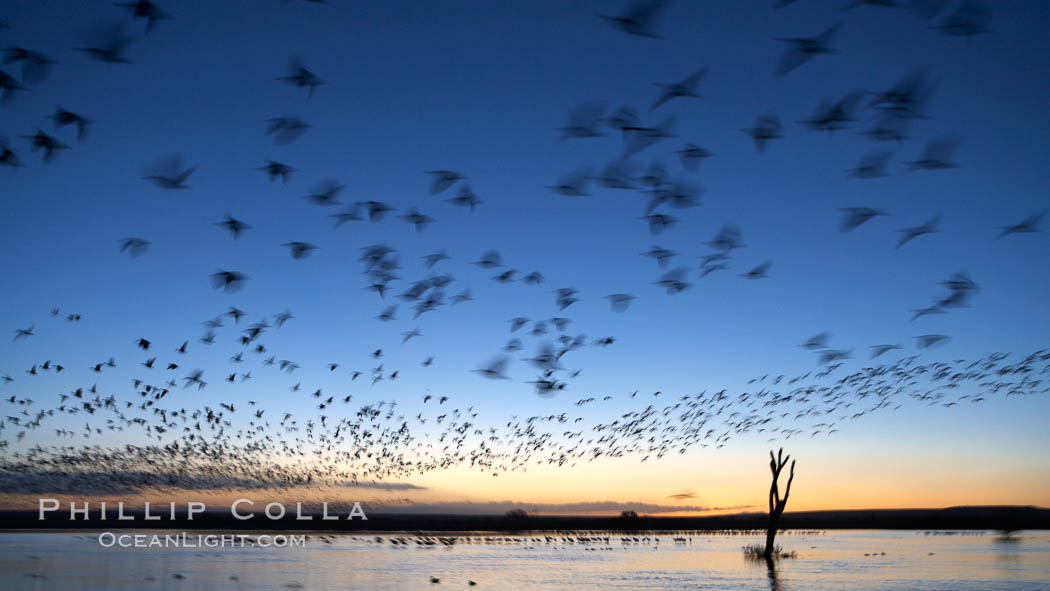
{"x":774,"y":582}
{"x":855,"y":560}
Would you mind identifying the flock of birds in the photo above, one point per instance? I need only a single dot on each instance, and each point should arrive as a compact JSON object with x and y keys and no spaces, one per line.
{"x":238,"y":442}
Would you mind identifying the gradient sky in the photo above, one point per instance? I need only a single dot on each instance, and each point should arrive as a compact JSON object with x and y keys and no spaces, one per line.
{"x":480,"y":87}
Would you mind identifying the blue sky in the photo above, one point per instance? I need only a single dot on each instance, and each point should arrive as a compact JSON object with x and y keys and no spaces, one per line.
{"x":480,"y":88}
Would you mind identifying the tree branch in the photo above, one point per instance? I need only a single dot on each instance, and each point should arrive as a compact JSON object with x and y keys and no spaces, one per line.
{"x":787,"y":491}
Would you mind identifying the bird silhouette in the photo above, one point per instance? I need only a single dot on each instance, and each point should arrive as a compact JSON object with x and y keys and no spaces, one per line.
{"x":301,"y":77}
{"x":927,"y":341}
{"x":276,"y":170}
{"x":880,"y":350}
{"x":134,"y":246}
{"x":909,"y":234}
{"x":168,"y":172}
{"x":300,"y":250}
{"x":624,"y":119}
{"x":618,"y":174}
{"x":767,"y":127}
{"x":45,"y":142}
{"x":8,"y":85}
{"x":107,"y":42}
{"x":728,"y":238}
{"x":644,"y":136}
{"x":325,"y":193}
{"x":414,"y":217}
{"x":855,"y":216}
{"x":534,"y":278}
{"x":35,"y":65}
{"x":674,"y":281}
{"x":7,"y":156}
{"x":802,"y":49}
{"x":62,"y":118}
{"x":494,"y":370}
{"x":937,"y":154}
{"x":351,"y":214}
{"x":434,"y":258}
{"x":872,"y":166}
{"x":759,"y":272}
{"x":287,"y":129}
{"x":817,"y":341}
{"x":662,"y":255}
{"x":23,"y":333}
{"x":970,"y":17}
{"x":831,"y":115}
{"x":659,"y":222}
{"x":228,"y":281}
{"x":684,"y":88}
{"x":573,"y":184}
{"x":1026,"y":226}
{"x":691,"y":155}
{"x":234,"y":225}
{"x":489,"y":259}
{"x":442,"y":180}
{"x":465,"y":198}
{"x":961,"y":288}
{"x":377,"y":210}
{"x":585,"y":121}
{"x":144,"y":9}
{"x":639,"y":18}
{"x":620,"y":301}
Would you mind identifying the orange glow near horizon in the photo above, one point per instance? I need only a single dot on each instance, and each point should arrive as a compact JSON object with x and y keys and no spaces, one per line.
{"x":709,"y":485}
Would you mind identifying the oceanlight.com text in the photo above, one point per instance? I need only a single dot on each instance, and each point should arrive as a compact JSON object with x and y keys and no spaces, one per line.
{"x":185,"y":540}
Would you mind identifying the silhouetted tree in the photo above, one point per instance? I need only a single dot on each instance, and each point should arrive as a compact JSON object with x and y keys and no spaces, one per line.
{"x":517,"y":514}
{"x":628,"y":514}
{"x":776,"y":503}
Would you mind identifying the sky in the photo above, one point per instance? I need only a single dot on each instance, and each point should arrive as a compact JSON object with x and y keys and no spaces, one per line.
{"x":482,"y":88}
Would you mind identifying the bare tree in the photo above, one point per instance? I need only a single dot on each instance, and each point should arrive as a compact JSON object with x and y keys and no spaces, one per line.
{"x":517,"y":514}
{"x":776,"y":503}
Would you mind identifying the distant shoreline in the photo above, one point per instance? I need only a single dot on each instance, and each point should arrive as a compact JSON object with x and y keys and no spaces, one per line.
{"x":952,"y":518}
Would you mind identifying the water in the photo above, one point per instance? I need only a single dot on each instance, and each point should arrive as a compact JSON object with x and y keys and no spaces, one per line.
{"x":833,"y":560}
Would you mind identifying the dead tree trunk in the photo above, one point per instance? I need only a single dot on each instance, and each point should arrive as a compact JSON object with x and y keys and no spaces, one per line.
{"x":776,"y":503}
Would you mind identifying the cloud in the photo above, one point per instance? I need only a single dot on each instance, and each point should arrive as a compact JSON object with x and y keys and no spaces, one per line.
{"x":385,"y":485}
{"x":580,"y":508}
{"x":130,"y":482}
{"x":123,"y":482}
